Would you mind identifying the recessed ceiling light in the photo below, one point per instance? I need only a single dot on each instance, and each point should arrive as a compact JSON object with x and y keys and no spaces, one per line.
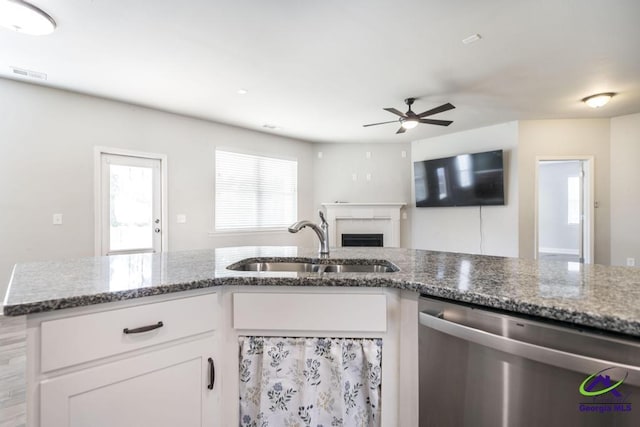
{"x":270,"y":126}
{"x":23,"y":17}
{"x":242,"y":91}
{"x":471,"y":39}
{"x":598,"y":100}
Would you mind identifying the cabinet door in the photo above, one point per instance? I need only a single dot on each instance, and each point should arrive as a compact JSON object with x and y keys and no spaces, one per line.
{"x":168,"y":387}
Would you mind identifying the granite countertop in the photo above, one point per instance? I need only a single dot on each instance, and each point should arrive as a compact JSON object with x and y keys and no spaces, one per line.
{"x":597,"y":296}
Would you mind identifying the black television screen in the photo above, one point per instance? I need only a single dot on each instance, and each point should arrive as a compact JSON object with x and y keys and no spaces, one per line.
{"x":464,"y":180}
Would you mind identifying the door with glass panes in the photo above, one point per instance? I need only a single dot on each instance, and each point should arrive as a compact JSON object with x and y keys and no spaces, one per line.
{"x":131,"y":203}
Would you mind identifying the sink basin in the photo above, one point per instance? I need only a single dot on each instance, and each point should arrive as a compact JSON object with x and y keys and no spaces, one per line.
{"x":327,"y":266}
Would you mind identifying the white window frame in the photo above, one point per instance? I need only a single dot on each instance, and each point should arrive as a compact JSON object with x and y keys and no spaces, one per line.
{"x":253,"y":230}
{"x":98,"y":151}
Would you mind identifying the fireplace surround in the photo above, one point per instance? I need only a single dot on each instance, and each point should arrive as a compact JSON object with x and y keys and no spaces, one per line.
{"x":363,"y":219}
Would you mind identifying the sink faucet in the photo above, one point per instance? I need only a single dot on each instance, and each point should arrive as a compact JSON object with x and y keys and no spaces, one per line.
{"x":322,"y":232}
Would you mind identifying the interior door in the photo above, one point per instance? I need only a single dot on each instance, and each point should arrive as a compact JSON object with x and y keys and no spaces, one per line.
{"x":130,"y":204}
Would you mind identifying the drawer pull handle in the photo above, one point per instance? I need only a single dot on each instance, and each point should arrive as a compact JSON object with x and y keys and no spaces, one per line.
{"x":143,"y":328}
{"x":212,"y":374}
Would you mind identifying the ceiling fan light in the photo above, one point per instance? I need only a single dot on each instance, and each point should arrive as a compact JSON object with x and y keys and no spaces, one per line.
{"x":598,"y":100}
{"x":23,"y":17}
{"x":409,"y":123}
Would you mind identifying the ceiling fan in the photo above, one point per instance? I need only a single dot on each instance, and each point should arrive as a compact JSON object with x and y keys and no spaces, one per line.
{"x":409,"y":120}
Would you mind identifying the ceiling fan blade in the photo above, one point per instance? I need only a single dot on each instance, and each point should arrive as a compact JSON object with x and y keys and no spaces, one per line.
{"x":436,"y":122}
{"x":401,"y":130}
{"x":382,"y":123}
{"x":394,"y":111}
{"x":440,"y":109}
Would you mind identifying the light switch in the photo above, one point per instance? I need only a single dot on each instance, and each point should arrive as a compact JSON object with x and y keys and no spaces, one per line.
{"x":57,"y":219}
{"x":404,"y":215}
{"x":368,"y":154}
{"x":368,"y":177}
{"x":403,"y":154}
{"x":319,"y":154}
{"x":354,"y":176}
{"x":181,"y":219}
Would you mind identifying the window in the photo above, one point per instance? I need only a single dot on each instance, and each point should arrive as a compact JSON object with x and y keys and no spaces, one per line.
{"x":255,"y":192}
{"x":573,"y":198}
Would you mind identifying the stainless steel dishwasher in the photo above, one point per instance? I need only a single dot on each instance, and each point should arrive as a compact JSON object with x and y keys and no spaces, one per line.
{"x":486,"y":368}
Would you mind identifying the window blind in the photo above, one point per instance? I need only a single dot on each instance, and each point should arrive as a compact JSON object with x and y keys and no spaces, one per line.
{"x":254,"y":192}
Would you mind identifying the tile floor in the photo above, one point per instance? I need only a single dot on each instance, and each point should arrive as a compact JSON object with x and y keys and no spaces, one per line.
{"x":13,"y":358}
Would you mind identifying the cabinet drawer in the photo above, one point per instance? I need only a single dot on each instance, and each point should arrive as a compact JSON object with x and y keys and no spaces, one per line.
{"x":310,"y":312}
{"x":80,"y":339}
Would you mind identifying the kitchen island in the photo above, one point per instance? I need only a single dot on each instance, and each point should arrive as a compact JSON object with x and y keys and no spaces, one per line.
{"x":72,"y":300}
{"x":602,"y":297}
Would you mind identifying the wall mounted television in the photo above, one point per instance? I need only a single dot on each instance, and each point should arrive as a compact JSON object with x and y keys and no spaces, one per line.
{"x":466,"y":180}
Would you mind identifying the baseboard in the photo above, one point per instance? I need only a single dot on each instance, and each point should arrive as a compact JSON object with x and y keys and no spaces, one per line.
{"x":559,"y":251}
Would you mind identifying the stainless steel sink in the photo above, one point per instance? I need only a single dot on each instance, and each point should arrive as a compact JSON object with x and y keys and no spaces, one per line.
{"x":343,"y":266}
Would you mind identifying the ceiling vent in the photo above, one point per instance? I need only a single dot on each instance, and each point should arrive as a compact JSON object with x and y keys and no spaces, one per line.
{"x":29,"y":74}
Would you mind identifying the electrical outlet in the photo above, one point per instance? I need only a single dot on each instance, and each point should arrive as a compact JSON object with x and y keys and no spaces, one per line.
{"x":631,"y":262}
{"x":319,"y":154}
{"x":368,"y":154}
{"x":368,"y":177}
{"x":57,"y":219}
{"x":354,"y":176}
{"x":181,"y":219}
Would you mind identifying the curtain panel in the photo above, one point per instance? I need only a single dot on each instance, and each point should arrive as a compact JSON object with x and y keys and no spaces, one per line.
{"x":318,"y":382}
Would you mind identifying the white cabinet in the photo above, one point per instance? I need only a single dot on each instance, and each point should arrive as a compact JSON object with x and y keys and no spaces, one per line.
{"x":168,"y":387}
{"x":152,"y":362}
{"x":84,"y":371}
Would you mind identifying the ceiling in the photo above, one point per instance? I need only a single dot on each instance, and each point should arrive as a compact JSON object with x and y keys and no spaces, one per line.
{"x":319,"y":70}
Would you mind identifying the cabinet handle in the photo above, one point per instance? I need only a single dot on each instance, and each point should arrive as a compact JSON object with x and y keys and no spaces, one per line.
{"x":212,"y":374}
{"x":143,"y":328}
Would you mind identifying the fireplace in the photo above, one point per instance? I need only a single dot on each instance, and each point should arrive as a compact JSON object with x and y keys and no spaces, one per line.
{"x":364,"y":220}
{"x":363,"y":239}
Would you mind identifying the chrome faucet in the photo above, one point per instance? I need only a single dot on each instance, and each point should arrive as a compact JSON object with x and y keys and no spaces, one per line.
{"x":322,"y":232}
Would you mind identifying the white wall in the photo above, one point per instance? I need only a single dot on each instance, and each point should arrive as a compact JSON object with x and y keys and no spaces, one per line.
{"x":46,"y":158}
{"x":625,"y":189}
{"x":578,"y":137}
{"x":390,"y":176}
{"x":556,"y":234}
{"x":457,"y":229}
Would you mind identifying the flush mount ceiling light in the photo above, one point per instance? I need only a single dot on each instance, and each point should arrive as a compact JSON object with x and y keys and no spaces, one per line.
{"x":23,"y":17}
{"x":598,"y":100}
{"x":242,"y":91}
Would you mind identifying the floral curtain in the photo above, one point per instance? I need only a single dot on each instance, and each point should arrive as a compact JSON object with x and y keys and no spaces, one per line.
{"x":318,"y":382}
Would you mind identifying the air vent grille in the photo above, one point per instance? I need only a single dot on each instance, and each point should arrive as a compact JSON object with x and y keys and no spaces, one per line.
{"x":28,"y":73}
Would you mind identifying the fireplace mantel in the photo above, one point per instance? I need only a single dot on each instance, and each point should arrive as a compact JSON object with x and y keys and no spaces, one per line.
{"x":382,"y":217}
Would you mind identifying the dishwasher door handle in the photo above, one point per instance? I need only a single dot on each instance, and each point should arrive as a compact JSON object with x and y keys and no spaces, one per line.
{"x":545,"y":355}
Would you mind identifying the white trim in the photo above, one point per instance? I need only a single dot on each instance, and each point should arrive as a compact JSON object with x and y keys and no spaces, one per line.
{"x":98,"y":151}
{"x":245,"y":232}
{"x":589,"y":212}
{"x":562,"y":251}
{"x":398,"y":204}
